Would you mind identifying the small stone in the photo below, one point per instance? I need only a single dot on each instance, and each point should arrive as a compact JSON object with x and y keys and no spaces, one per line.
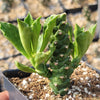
{"x":84,"y":73}
{"x":81,"y":79}
{"x":31,"y":96}
{"x":24,"y":82}
{"x":81,"y":86}
{"x":45,"y":87}
{"x":84,"y":69}
{"x":98,"y":86}
{"x":88,"y":84}
{"x":69,"y":92}
{"x":73,"y":87}
{"x":85,"y":90}
{"x":94,"y":95}
{"x":40,"y":77}
{"x":87,"y":78}
{"x":75,"y":93}
{"x":33,"y":74}
{"x":47,"y":95}
{"x":97,"y":75}
{"x":29,"y":79}
{"x":70,"y":97}
{"x":67,"y":99}
{"x":89,"y":93}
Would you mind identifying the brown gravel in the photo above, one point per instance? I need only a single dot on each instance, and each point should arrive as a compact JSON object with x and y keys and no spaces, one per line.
{"x":93,"y":54}
{"x":17,"y":11}
{"x":86,"y":86}
{"x":37,"y":9}
{"x":79,"y":19}
{"x":71,"y":4}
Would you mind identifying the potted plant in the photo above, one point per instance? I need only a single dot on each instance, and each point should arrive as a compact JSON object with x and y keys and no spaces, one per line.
{"x":55,"y":44}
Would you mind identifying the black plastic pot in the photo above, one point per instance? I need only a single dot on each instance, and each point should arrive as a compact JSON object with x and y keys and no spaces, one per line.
{"x":14,"y":93}
{"x":5,"y":84}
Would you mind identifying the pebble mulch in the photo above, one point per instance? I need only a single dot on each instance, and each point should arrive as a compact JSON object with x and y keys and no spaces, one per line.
{"x":86,"y":86}
{"x":17,"y":11}
{"x":37,"y":9}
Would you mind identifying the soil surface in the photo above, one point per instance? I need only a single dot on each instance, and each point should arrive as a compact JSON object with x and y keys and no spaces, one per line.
{"x":92,"y":55}
{"x":16,"y":11}
{"x":85,"y":85}
{"x":37,"y":8}
{"x":71,"y":4}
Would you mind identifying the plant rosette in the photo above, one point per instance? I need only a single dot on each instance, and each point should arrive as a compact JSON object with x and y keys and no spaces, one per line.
{"x":57,"y":44}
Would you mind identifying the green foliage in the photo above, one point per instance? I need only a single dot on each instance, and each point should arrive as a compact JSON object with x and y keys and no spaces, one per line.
{"x":27,"y":39}
{"x":64,"y":53}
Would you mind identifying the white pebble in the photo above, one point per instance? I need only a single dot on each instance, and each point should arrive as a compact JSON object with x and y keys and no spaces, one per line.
{"x":25,"y":86}
{"x":81,"y":79}
{"x":70,"y":97}
{"x":45,"y":87}
{"x":85,"y":90}
{"x":81,"y":86}
{"x":39,"y":80}
{"x":84,"y":73}
{"x":84,"y":69}
{"x":97,"y":75}
{"x":87,"y":78}
{"x":36,"y":74}
{"x":29,"y":79}
{"x":67,"y":99}
{"x":73,"y":99}
{"x":73,"y":87}
{"x":88,"y":84}
{"x":75,"y":93}
{"x":79,"y":66}
{"x":94,"y":95}
{"x":33,"y":74}
{"x":98,"y":86}
{"x":31,"y":96}
{"x":69,"y":91}
{"x":40,"y":77}
{"x":24,"y":82}
{"x":44,"y":78}
{"x":47,"y":95}
{"x":74,"y":78}
{"x":89,"y":93}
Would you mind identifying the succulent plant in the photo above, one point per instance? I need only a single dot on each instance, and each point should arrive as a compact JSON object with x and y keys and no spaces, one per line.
{"x":64,"y":52}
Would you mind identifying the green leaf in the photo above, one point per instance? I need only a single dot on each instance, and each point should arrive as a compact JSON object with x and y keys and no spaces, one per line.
{"x":11,"y":33}
{"x":24,"y":68}
{"x":25,"y":33}
{"x":70,"y":32}
{"x":41,"y":57}
{"x":82,"y":40}
{"x":28,"y":19}
{"x":48,"y":30}
{"x":36,"y":28}
{"x":40,"y":40}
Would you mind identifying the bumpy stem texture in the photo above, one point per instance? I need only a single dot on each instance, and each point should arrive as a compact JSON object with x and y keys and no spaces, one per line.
{"x":61,"y":64}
